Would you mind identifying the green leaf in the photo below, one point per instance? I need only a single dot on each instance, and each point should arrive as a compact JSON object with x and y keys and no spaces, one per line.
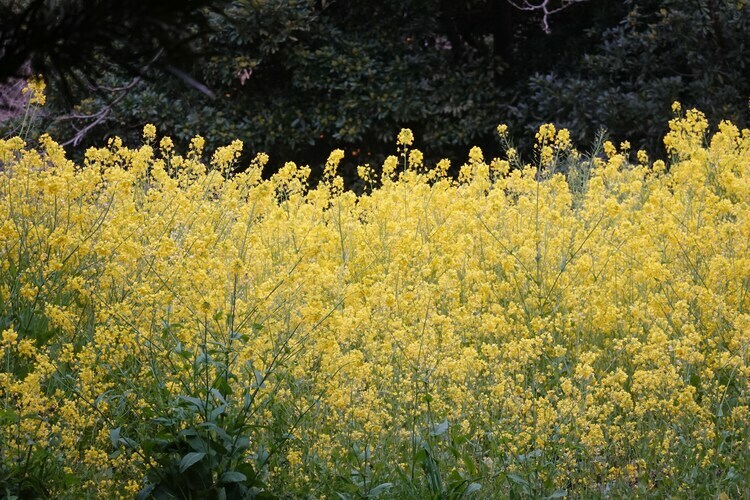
{"x":130,"y":443}
{"x":559,"y":494}
{"x":259,"y":382}
{"x":473,"y":488}
{"x":9,"y":415}
{"x":379,"y":489}
{"x":199,"y":404}
{"x":215,"y":392}
{"x":420,"y":456}
{"x":196,"y":443}
{"x":114,"y":436}
{"x":243,"y":443}
{"x":191,"y":459}
{"x":440,"y":428}
{"x":517,"y":478}
{"x":233,"y":476}
{"x":468,"y":461}
{"x":216,"y":412}
{"x":528,"y":456}
{"x":203,"y":359}
{"x":145,"y":492}
{"x":247,"y":469}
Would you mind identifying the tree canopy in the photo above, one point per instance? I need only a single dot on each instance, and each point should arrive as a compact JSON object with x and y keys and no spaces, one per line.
{"x":299,"y":78}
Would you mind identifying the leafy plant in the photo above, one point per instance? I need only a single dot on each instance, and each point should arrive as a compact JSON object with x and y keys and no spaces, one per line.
{"x":201,"y":443}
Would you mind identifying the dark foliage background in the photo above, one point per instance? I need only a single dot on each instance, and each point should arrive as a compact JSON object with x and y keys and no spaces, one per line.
{"x":298,"y":78}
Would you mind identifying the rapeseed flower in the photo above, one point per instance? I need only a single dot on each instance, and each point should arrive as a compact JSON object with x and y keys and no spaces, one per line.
{"x":592,"y":335}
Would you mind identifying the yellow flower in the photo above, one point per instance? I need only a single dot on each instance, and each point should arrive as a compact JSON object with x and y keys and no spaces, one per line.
{"x":364,"y":172}
{"x":224,"y":157}
{"x":332,"y":164}
{"x":475,"y":155}
{"x":571,"y":305}
{"x":546,"y":133}
{"x":642,"y":157}
{"x":546,"y":156}
{"x":389,"y":167}
{"x":609,"y":149}
{"x":9,"y":337}
{"x":563,"y":141}
{"x":36,"y":87}
{"x":405,"y":137}
{"x":149,"y":132}
{"x":166,"y":144}
{"x":512,"y":154}
{"x":416,"y":158}
{"x":26,"y":348}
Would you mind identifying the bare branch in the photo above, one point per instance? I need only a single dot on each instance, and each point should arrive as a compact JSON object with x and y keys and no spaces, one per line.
{"x":190,"y":81}
{"x":99,"y":116}
{"x":546,"y":7}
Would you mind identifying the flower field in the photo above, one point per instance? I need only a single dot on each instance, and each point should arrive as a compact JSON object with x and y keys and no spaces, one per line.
{"x":574,"y":326}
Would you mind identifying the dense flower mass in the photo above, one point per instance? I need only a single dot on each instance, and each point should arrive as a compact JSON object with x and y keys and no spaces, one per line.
{"x":574,"y":326}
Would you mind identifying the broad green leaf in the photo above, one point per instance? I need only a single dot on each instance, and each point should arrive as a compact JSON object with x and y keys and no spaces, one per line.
{"x":233,"y":476}
{"x":114,"y":436}
{"x":191,"y":459}
{"x":517,"y":478}
{"x":379,"y":489}
{"x":440,"y":428}
{"x":473,"y":488}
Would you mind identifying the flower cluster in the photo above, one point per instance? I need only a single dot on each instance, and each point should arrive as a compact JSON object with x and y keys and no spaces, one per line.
{"x":523,"y":335}
{"x":35,"y":87}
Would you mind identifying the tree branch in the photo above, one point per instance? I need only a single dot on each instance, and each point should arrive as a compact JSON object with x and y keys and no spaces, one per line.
{"x":99,"y":116}
{"x":546,"y":7}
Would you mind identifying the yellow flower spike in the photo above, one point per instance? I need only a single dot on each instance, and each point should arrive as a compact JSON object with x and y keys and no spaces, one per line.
{"x":546,"y":156}
{"x":416,"y":159}
{"x":545,"y":134}
{"x":36,"y":87}
{"x":332,"y":164}
{"x":609,"y":149}
{"x":149,"y":132}
{"x":441,"y":169}
{"x":115,"y":143}
{"x":476,"y":155}
{"x":642,"y":157}
{"x":499,"y":168}
{"x":26,"y":349}
{"x":562,"y":140}
{"x":365,"y":173}
{"x":197,"y":144}
{"x":262,"y":159}
{"x":9,"y":337}
{"x":389,"y":167}
{"x":512,"y":155}
{"x":166,"y":144}
{"x":405,"y":137}
{"x":224,"y":157}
